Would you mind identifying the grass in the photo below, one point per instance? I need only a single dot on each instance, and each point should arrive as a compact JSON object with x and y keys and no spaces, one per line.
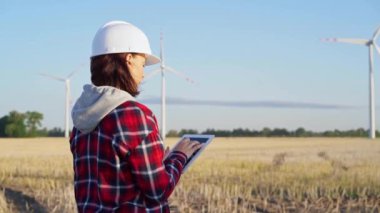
{"x":232,"y":175}
{"x":4,"y":206}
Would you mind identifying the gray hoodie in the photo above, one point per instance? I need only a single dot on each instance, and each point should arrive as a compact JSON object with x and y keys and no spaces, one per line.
{"x":94,"y":104}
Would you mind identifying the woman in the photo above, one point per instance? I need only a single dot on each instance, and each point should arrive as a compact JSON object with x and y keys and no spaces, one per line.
{"x":119,"y":161}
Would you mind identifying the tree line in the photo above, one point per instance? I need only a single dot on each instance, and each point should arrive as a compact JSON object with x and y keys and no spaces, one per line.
{"x":17,"y":124}
{"x":28,"y":124}
{"x":275,"y":132}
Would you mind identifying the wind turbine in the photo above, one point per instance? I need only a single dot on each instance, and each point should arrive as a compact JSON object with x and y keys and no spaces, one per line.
{"x":67,"y":98}
{"x":163,"y":69}
{"x":370,"y":43}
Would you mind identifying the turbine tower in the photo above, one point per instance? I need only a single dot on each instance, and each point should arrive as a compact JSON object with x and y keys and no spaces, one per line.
{"x":163,"y":69}
{"x":67,"y":98}
{"x":370,"y":43}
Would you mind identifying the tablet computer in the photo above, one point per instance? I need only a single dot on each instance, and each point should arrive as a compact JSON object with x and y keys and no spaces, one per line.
{"x":203,"y":139}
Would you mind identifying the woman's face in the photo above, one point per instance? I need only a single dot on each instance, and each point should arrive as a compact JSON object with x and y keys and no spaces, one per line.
{"x":136,"y":64}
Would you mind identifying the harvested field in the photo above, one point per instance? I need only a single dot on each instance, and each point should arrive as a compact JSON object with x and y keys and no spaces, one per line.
{"x":233,"y":175}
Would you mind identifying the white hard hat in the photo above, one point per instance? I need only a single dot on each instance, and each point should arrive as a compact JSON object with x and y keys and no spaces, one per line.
{"x":122,"y":37}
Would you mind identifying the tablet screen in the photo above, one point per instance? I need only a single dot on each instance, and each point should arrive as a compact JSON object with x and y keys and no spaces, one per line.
{"x":203,"y":139}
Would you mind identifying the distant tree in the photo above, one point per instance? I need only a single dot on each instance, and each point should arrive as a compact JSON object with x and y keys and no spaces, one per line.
{"x":362,"y":132}
{"x":209,"y":132}
{"x":42,"y":132}
{"x":239,"y":132}
{"x":3,"y":124}
{"x":218,"y":133}
{"x":337,"y":133}
{"x":56,"y":132}
{"x":328,"y":133}
{"x":300,"y":132}
{"x":280,"y":132}
{"x":172,"y":133}
{"x":15,"y":126}
{"x":33,"y":120}
{"x":266,"y":132}
{"x":187,"y":131}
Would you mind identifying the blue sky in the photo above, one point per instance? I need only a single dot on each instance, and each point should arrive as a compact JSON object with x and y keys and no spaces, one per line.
{"x":255,"y":63}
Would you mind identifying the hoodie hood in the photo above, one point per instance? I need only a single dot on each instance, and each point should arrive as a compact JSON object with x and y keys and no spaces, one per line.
{"x":94,"y":104}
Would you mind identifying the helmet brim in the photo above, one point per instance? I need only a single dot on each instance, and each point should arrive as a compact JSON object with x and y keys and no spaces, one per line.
{"x":151,"y":60}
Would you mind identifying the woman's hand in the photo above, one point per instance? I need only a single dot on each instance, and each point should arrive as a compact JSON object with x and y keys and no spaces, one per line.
{"x":187,"y":147}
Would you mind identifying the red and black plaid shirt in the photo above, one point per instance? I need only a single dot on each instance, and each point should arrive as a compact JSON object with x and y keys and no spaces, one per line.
{"x":119,"y":166}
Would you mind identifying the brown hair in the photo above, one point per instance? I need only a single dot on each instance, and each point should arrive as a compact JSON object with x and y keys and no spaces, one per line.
{"x":112,"y":70}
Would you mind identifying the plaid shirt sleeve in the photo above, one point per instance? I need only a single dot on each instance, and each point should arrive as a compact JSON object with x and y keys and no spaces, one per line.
{"x":138,"y":138}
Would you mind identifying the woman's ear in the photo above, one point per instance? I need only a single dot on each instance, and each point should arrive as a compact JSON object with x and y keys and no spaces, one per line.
{"x":129,"y":62}
{"x":128,"y":58}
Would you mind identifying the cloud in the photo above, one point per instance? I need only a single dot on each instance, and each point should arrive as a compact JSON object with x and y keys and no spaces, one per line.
{"x":246,"y":104}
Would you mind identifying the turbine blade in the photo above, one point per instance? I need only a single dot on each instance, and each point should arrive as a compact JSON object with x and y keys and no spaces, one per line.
{"x":377,"y":48}
{"x":162,"y":47}
{"x":180,"y":74}
{"x":52,"y":77}
{"x":151,"y":74}
{"x":347,"y":40}
{"x":75,"y":71}
{"x":376,"y":34}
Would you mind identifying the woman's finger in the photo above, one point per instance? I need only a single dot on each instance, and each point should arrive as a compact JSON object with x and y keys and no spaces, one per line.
{"x":197,"y":146}
{"x":195,"y":143}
